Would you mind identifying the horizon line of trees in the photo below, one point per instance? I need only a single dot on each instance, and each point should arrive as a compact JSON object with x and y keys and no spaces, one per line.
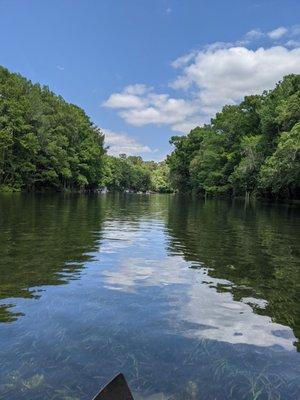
{"x":132,"y":173}
{"x":249,"y":148}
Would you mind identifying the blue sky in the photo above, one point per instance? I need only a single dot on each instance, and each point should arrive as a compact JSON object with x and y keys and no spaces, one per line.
{"x":146,"y":70}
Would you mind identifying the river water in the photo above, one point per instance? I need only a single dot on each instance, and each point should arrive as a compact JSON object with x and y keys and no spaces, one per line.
{"x":190,"y":299}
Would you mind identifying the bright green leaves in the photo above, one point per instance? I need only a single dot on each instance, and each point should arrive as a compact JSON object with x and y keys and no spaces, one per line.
{"x":132,"y":173}
{"x":281,"y":171}
{"x":251,"y":147}
{"x":44,"y":141}
{"x":245,"y":173}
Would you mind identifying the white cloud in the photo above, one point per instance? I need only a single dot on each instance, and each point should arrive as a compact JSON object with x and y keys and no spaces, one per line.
{"x":136,"y":89}
{"x":278,"y":32}
{"x":189,"y":124}
{"x":129,"y":98}
{"x":226,"y":75}
{"x":151,"y":108}
{"x":254,"y":34}
{"x":207,"y":79}
{"x":183,"y":60}
{"x":120,"y":143}
{"x":124,"y":100}
{"x":292,"y":43}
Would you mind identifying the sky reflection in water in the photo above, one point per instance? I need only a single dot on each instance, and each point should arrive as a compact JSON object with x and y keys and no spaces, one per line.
{"x":167,"y":291}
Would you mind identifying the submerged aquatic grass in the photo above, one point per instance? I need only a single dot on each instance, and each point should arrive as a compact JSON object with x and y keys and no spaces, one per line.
{"x":190,"y":300}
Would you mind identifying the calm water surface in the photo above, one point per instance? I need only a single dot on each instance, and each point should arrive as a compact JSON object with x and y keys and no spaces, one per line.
{"x":190,"y":299}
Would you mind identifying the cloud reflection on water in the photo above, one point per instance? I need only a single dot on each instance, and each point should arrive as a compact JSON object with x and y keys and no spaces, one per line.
{"x":206,"y":313}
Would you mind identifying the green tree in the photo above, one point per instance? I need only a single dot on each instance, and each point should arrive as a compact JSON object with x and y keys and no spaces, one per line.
{"x":160,"y":178}
{"x":207,"y":167}
{"x":45,"y":142}
{"x":179,"y":160}
{"x":280,"y":174}
{"x":248,"y":148}
{"x":244,"y":176}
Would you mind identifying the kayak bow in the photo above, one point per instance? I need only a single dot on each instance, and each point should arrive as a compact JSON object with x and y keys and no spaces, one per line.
{"x":116,"y":389}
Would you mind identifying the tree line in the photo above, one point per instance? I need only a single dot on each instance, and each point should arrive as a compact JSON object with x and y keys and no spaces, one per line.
{"x":250,"y":148}
{"x":132,"y":173}
{"x":46,"y":142}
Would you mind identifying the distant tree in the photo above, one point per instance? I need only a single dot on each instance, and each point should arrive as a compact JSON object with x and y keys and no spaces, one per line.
{"x":160,"y":178}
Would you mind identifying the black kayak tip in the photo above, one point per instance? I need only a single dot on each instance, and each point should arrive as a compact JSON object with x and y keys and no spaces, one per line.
{"x":116,"y":389}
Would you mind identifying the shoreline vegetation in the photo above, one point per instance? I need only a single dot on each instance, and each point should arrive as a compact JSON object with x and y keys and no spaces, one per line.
{"x":248,"y":150}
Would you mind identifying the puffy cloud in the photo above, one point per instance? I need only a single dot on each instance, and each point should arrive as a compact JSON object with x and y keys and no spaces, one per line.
{"x":207,"y":79}
{"x":123,"y":100}
{"x":292,"y":43}
{"x":273,"y":35}
{"x":151,"y":108}
{"x":254,"y":34}
{"x":225,"y":75}
{"x":129,"y":98}
{"x":278,"y":32}
{"x":189,"y":124}
{"x":283,"y":31}
{"x":136,"y":89}
{"x":183,"y":60}
{"x":120,"y":143}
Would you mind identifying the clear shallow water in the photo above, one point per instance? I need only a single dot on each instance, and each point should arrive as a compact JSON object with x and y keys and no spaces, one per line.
{"x":190,"y":299}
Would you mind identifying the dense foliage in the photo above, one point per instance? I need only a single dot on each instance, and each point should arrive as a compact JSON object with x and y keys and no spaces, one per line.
{"x":133,"y":174}
{"x":44,"y":141}
{"x":253,"y":147}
